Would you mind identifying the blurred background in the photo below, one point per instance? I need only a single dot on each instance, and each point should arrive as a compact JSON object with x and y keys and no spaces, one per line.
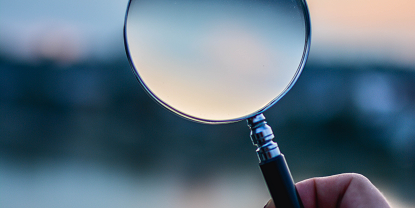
{"x":77,"y":129}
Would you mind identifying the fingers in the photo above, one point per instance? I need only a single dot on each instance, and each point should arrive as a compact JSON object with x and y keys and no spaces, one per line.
{"x":323,"y":192}
{"x":339,"y":191}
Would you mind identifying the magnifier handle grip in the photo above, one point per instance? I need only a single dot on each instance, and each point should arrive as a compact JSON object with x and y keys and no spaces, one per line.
{"x":280,"y":183}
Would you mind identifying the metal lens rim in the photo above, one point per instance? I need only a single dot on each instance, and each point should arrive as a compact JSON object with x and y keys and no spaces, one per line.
{"x":300,"y":68}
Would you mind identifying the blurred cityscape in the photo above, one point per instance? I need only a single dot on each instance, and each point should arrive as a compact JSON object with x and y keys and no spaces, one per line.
{"x":78,"y":130}
{"x":337,"y":118}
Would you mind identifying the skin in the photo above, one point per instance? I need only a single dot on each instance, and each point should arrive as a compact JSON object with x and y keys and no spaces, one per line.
{"x":349,"y":190}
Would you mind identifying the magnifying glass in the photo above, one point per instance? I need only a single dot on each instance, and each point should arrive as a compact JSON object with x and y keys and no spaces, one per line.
{"x":222,"y":61}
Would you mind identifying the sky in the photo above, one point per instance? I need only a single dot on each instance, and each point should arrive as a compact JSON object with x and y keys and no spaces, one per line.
{"x":85,"y":28}
{"x":375,"y":30}
{"x":381,"y":30}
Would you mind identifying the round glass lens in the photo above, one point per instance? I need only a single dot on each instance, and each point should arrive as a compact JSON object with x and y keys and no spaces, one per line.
{"x":217,"y":61}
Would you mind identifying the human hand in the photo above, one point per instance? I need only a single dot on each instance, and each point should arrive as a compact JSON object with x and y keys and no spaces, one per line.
{"x":339,"y":191}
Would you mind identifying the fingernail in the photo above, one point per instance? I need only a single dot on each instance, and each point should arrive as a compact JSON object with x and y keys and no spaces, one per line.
{"x":267,"y":204}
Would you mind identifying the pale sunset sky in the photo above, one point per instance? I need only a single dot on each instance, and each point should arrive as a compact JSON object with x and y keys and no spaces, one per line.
{"x":381,"y":29}
{"x":371,"y":30}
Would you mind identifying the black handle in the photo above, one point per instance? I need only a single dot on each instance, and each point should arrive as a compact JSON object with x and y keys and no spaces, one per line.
{"x":280,"y":183}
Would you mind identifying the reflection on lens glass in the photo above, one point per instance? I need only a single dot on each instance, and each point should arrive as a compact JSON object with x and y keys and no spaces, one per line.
{"x":216,"y":60}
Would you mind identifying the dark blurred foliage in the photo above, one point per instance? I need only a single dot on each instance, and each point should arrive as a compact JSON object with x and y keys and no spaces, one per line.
{"x":337,"y":118}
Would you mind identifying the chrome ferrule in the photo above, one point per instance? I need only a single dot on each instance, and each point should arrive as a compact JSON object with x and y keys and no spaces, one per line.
{"x":262,"y":137}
